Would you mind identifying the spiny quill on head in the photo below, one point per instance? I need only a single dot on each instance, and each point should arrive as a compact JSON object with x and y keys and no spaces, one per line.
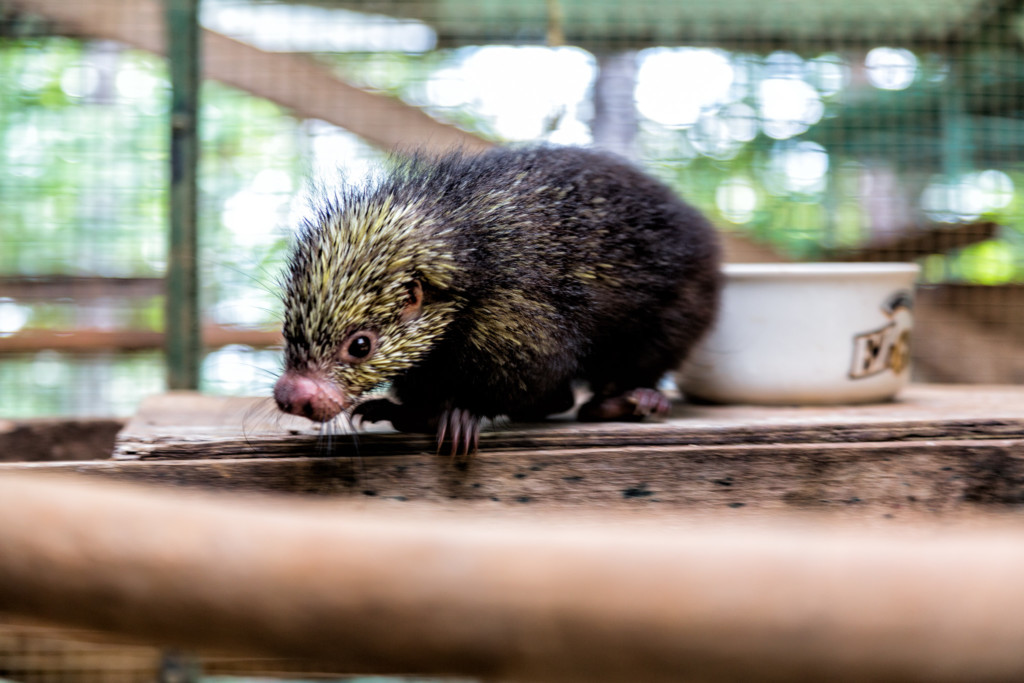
{"x":486,"y":285}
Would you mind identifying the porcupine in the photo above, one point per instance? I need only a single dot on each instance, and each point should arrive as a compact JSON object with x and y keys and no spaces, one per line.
{"x":486,"y":285}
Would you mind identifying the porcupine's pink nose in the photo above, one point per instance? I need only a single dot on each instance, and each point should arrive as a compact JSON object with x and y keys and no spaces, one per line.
{"x":313,"y":397}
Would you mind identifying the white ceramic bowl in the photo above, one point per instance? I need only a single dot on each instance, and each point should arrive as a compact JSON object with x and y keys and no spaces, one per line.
{"x":807,"y":333}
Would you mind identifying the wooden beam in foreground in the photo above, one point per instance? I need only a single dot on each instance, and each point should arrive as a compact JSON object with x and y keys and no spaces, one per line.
{"x":294,"y":81}
{"x":529,"y":598}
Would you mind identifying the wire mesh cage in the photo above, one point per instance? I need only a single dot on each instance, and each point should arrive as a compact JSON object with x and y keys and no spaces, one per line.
{"x":814,"y":131}
{"x":821,"y":130}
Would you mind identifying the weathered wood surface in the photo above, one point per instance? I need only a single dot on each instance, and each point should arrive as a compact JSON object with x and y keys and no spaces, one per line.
{"x":958,"y":338}
{"x":34,"y":653}
{"x":185,"y":425}
{"x":948,"y":450}
{"x":878,"y":479}
{"x":537,"y":598}
{"x":53,"y":439}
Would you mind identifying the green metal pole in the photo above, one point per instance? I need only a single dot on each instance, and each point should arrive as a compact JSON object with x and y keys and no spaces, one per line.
{"x":183,"y":343}
{"x":956,"y":131}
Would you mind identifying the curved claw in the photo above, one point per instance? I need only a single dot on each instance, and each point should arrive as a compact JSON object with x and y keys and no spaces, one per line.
{"x":462,"y":428}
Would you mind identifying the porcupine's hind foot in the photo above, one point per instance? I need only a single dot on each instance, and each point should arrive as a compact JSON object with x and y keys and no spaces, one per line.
{"x":633,"y":405}
{"x":457,"y":425}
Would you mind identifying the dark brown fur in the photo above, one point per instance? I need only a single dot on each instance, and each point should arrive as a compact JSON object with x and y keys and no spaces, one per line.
{"x":571,"y":265}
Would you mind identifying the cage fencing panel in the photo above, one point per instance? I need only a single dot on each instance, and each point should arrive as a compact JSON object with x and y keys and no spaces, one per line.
{"x":822,"y":130}
{"x":877,"y":130}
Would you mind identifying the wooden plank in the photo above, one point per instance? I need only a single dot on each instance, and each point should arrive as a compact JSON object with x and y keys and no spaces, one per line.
{"x":187,"y":425}
{"x":952,"y":345}
{"x":78,"y":287}
{"x":995,"y":306}
{"x":32,"y":653}
{"x":86,"y":340}
{"x":916,"y":243}
{"x":50,"y":439}
{"x":874,"y":480}
{"x":513,"y":598}
{"x":938,"y":450}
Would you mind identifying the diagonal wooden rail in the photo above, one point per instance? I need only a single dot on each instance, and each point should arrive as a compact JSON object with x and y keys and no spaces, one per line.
{"x":516,"y":598}
{"x":308,"y":88}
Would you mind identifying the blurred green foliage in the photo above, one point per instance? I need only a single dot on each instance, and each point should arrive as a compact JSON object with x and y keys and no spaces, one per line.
{"x":83,"y":191}
{"x":83,"y":179}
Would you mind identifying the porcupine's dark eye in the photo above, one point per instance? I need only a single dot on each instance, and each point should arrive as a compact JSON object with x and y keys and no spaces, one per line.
{"x":358,"y":347}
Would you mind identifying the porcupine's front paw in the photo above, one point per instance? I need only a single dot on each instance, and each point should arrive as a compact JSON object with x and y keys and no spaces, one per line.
{"x":630,"y":406}
{"x":458,"y":426}
{"x":462,"y":428}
